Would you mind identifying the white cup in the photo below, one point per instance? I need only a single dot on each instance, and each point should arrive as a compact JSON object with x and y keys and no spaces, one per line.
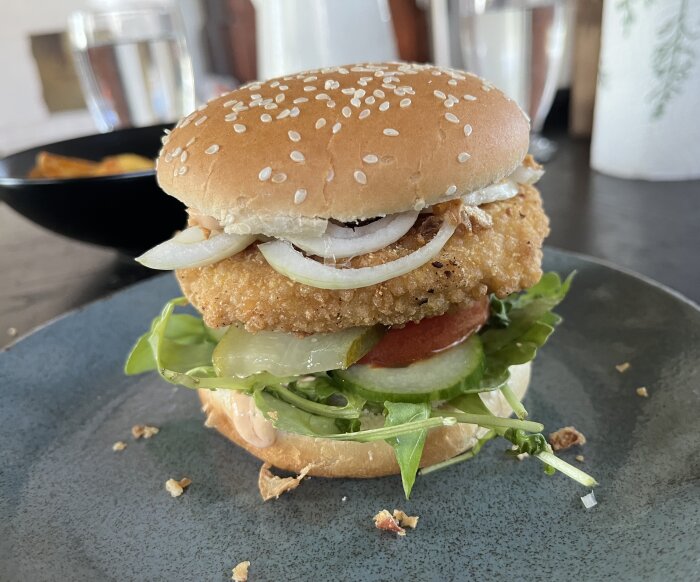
{"x":646,"y":122}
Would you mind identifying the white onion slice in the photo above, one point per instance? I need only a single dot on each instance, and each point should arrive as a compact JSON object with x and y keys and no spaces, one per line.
{"x":192,"y":248}
{"x":526,"y":175}
{"x":284,"y":259}
{"x":341,"y":242}
{"x":493,"y":193}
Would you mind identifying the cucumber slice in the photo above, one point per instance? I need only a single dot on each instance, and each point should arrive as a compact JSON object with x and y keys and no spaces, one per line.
{"x":441,"y":377}
{"x":243,"y":354}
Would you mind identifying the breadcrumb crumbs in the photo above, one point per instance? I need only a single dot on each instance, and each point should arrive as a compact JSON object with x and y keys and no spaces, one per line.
{"x":271,"y":485}
{"x":622,"y":368}
{"x":643,"y":392}
{"x":405,"y":520}
{"x":396,"y":522}
{"x":384,"y":520}
{"x":143,"y":430}
{"x":12,"y":331}
{"x":119,"y":446}
{"x":177,"y":488}
{"x":580,"y":458}
{"x":240,"y":572}
{"x":565,"y":438}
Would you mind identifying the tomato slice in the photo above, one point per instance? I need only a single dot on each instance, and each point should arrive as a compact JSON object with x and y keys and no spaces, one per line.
{"x":418,"y":341}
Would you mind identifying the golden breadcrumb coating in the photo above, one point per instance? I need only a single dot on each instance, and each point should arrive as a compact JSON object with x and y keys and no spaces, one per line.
{"x":501,"y":259}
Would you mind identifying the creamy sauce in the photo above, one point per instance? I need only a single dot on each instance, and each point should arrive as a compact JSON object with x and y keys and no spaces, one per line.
{"x":250,"y":423}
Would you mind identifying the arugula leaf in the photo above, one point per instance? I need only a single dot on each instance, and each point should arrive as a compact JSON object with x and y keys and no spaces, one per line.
{"x":289,"y":418}
{"x":407,"y":448}
{"x":524,"y":322}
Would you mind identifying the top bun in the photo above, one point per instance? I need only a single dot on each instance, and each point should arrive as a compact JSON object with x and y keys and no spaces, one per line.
{"x":345,"y":143}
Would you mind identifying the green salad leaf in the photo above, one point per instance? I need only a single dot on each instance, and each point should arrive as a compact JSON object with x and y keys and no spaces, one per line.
{"x":522,"y":323}
{"x":408,"y":448}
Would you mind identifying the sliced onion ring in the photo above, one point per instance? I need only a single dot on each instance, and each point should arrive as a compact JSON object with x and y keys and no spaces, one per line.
{"x":284,"y":259}
{"x":526,"y":175}
{"x":493,"y":193}
{"x":341,"y":242}
{"x":192,"y":248}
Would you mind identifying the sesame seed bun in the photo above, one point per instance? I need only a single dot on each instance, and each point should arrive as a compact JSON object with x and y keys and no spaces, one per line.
{"x":344,"y":143}
{"x":328,"y":458}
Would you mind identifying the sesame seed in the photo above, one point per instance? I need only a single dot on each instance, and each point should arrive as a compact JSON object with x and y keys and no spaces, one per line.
{"x":283,"y":87}
{"x":463,"y":157}
{"x":330,"y":175}
{"x":360,"y":177}
{"x":230,"y":103}
{"x":388,"y":86}
{"x":436,"y":73}
{"x":330,"y":104}
{"x":297,"y":156}
{"x":405,"y":102}
{"x":451,"y":117}
{"x":256,"y":96}
{"x":320,"y":123}
{"x":336,"y":127}
{"x":378,"y":93}
{"x":360,"y":93}
{"x":369,"y":100}
{"x":370,"y":159}
{"x":322,"y":96}
{"x":231,"y":117}
{"x":294,"y":112}
{"x":282,"y":114}
{"x":176,"y":152}
{"x":355,"y":102}
{"x":439,"y":94}
{"x":239,"y":128}
{"x":309,"y":79}
{"x":190,"y":142}
{"x":486,"y":88}
{"x":364,"y":113}
{"x":279,"y":178}
{"x":183,"y":157}
{"x":300,"y":100}
{"x":452,"y":82}
{"x":274,"y":84}
{"x":451,"y":190}
{"x":212,"y":149}
{"x":266,"y":118}
{"x":390,"y":132}
{"x":265,"y":174}
{"x":294,"y":135}
{"x":269,"y":106}
{"x":346,"y":111}
{"x":348,"y":91}
{"x":309,"y":88}
{"x":182,"y":171}
{"x":467,"y":130}
{"x":384,"y":106}
{"x":299,"y":196}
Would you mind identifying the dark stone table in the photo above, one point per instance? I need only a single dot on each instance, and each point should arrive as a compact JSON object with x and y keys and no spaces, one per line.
{"x":649,"y":227}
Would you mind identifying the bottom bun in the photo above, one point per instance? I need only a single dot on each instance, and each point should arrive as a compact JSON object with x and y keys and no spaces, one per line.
{"x":228,"y":412}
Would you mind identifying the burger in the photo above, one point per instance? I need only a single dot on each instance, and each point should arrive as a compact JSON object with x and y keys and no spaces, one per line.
{"x":364,"y":248}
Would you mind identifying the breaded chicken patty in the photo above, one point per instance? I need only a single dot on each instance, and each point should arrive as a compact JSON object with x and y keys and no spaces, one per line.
{"x":501,"y":259}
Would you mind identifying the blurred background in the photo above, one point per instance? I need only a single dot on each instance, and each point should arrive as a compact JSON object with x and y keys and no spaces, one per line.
{"x":611,"y":86}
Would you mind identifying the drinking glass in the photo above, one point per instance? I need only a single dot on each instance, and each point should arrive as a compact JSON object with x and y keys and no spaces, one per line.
{"x":133,"y":65}
{"x":519,"y":46}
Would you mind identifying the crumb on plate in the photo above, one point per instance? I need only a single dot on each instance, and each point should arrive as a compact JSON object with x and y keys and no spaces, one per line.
{"x":177,"y":488}
{"x":143,"y":430}
{"x":643,"y":392}
{"x":622,"y":368}
{"x":271,"y":485}
{"x":12,"y":331}
{"x":565,"y":438}
{"x":119,"y":446}
{"x":580,"y":458}
{"x":240,"y":572}
{"x":405,"y":520}
{"x":384,"y":520}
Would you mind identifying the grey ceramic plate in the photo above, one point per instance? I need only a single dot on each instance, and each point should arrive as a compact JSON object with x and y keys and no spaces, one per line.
{"x":71,"y":509}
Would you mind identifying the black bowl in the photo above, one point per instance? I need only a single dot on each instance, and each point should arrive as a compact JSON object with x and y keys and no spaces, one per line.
{"x":128,"y":212}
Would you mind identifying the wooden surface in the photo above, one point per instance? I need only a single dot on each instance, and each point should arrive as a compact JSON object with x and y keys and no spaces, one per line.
{"x":584,"y":70}
{"x":644,"y":226}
